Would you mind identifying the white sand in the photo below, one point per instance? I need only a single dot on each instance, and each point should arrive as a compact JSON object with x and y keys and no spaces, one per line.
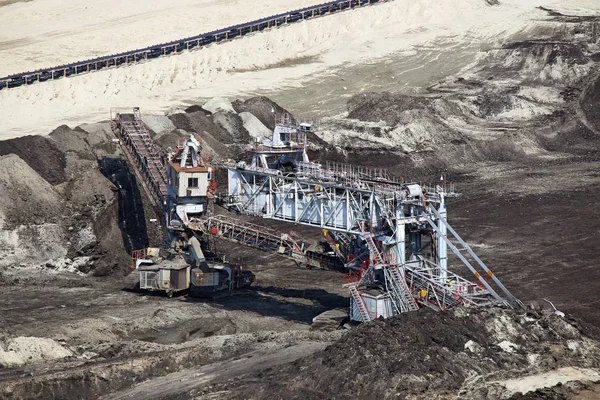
{"x":529,"y":383}
{"x":355,"y":37}
{"x":25,"y":350}
{"x":253,"y":125}
{"x":44,"y":33}
{"x":218,"y":104}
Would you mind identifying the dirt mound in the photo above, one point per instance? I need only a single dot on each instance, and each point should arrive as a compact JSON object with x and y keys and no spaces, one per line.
{"x":166,"y":140}
{"x":158,"y":124}
{"x":217,"y":104}
{"x":75,"y":221}
{"x":261,"y":107}
{"x":212,"y":134}
{"x":426,"y":355}
{"x":383,"y":106}
{"x":25,"y":350}
{"x":200,"y":123}
{"x":30,"y":214}
{"x":255,"y":128}
{"x":194,"y":108}
{"x":25,"y":197}
{"x":39,"y":153}
{"x":69,"y":140}
{"x":234,"y":125}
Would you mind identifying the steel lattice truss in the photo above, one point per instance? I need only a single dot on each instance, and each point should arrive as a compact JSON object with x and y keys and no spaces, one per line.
{"x":354,"y":205}
{"x":324,"y":203}
{"x":285,"y":244}
{"x":141,"y":150}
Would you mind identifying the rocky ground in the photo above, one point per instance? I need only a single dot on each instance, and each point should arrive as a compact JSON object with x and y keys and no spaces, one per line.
{"x":518,"y":133}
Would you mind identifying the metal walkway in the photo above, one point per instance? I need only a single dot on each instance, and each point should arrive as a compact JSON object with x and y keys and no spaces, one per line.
{"x":159,"y":50}
{"x":143,"y":154}
{"x":260,"y":237}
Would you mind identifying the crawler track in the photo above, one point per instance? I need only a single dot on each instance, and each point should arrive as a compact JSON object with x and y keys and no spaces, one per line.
{"x":160,"y":50}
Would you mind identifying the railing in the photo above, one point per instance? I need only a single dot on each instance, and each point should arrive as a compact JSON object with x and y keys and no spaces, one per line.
{"x":260,"y":237}
{"x":137,"y":255}
{"x":142,"y":152}
{"x":148,"y":53}
{"x":357,"y":300}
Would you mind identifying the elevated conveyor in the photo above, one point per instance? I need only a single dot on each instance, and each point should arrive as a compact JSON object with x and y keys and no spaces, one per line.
{"x":142,"y":153}
{"x":260,"y":237}
{"x":179,"y":46}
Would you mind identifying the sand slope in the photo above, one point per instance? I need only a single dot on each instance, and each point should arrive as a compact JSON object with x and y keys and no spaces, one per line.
{"x":279,"y":58}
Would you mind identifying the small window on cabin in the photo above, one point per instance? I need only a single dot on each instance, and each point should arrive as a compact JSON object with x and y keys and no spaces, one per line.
{"x":193,"y":182}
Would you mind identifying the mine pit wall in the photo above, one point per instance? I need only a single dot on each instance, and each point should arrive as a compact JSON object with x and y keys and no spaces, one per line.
{"x":565,"y":59}
{"x":61,"y":201}
{"x":590,"y":102}
{"x":123,"y":225}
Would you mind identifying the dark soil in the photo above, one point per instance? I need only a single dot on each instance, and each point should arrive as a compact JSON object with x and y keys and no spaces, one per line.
{"x":410,"y":355}
{"x":590,"y":102}
{"x":383,"y":106}
{"x":201,"y":124}
{"x":530,"y":216}
{"x":547,"y":241}
{"x":232,"y":124}
{"x":262,"y":107}
{"x":40,"y":153}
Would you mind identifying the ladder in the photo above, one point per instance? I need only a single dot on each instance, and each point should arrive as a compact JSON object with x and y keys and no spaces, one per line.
{"x":376,"y":257}
{"x":331,"y":239}
{"x":401,"y":295}
{"x":358,"y":302}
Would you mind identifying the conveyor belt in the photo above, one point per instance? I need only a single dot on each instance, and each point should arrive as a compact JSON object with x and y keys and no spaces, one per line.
{"x":159,"y":50}
{"x":142,"y":152}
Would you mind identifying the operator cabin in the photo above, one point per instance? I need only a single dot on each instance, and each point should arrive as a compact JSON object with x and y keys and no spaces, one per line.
{"x":191,"y":182}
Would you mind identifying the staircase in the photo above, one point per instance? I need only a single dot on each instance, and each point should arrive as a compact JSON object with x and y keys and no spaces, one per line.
{"x":438,"y":298}
{"x":376,"y":257}
{"x":331,"y":239}
{"x":358,"y":302}
{"x":399,"y":290}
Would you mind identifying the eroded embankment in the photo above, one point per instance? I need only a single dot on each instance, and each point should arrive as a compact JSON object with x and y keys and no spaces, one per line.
{"x":58,"y":210}
{"x":517,"y":102}
{"x":94,"y":378}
